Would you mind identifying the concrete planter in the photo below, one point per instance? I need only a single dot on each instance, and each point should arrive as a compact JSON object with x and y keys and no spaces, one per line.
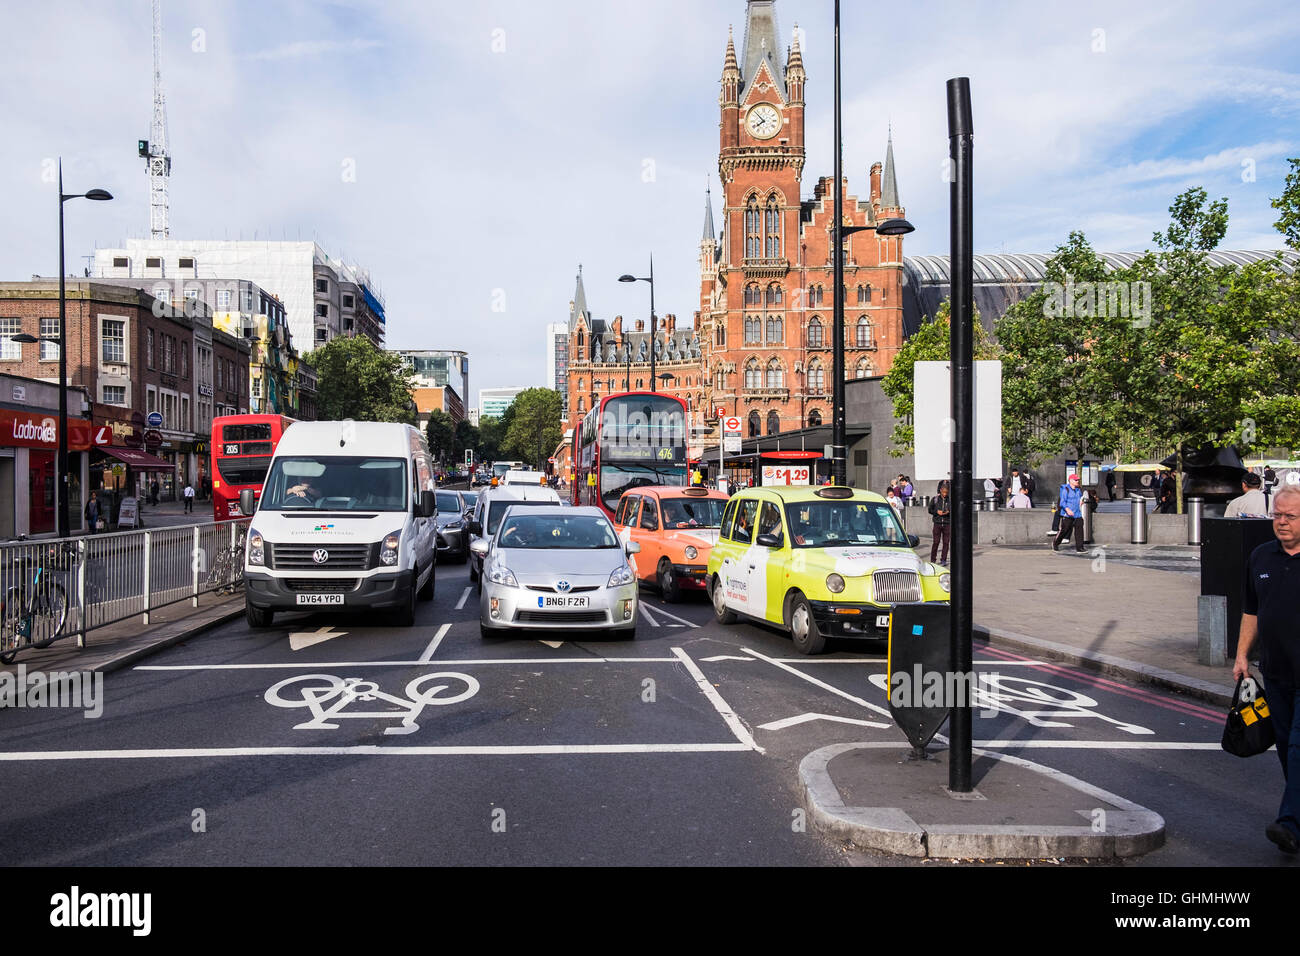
{"x":1030,"y":526}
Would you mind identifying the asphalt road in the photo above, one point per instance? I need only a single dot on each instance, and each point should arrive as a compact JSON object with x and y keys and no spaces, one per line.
{"x":369,"y":744}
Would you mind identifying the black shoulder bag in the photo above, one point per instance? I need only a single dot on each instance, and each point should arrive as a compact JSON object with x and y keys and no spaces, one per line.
{"x":1249,"y":728}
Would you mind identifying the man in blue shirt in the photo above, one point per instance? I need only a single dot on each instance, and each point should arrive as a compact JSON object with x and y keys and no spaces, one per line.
{"x":1270,"y":615}
{"x":1070,"y":508}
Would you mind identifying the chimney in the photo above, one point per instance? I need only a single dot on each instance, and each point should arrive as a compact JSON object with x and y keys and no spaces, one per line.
{"x":875,"y":183}
{"x":640,"y":325}
{"x":618,"y":325}
{"x":697,"y":321}
{"x":671,"y":322}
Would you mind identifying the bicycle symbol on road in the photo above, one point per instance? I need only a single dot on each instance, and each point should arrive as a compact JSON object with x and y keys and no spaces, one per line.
{"x":328,"y":698}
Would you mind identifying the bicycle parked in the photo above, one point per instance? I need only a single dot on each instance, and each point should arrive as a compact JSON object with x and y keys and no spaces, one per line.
{"x":227,"y":572}
{"x":34,"y":612}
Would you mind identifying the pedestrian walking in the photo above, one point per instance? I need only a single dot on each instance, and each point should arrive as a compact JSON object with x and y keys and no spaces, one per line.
{"x":1110,"y":484}
{"x":941,"y":513}
{"x":1070,"y":508}
{"x":189,"y":498}
{"x":153,"y":492}
{"x":896,"y":502}
{"x":1270,"y":618}
{"x":92,"y":513}
{"x":1168,"y":493}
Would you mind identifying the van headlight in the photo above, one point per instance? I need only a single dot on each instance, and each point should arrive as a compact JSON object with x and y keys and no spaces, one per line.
{"x":256,"y":554}
{"x":388,"y":550}
{"x":834,"y":583}
{"x":945,"y":582}
{"x":620,"y":577}
{"x":691,"y":552}
{"x":500,"y":574}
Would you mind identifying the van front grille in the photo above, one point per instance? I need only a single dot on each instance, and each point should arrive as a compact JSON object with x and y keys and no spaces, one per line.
{"x":339,"y":557}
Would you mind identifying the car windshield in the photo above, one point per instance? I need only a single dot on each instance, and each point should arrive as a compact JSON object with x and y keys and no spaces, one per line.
{"x":821,"y":524}
{"x":335,"y":484}
{"x":557,"y":531}
{"x":498,"y":508}
{"x":448,"y":502}
{"x":692,"y":512}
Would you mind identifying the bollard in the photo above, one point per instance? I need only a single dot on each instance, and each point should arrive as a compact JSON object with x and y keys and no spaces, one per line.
{"x":1085,"y":513}
{"x":1195,"y":514}
{"x":1137,"y":519}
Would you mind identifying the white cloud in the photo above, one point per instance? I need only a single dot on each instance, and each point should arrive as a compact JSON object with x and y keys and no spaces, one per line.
{"x":311,"y":48}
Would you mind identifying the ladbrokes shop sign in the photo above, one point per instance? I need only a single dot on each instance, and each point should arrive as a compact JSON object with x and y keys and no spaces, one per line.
{"x":39,"y":430}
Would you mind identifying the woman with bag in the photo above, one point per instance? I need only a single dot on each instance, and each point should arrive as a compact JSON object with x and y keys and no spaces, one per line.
{"x":92,"y":513}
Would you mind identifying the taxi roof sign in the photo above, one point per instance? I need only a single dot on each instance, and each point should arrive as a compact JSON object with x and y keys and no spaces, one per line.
{"x":834,"y":491}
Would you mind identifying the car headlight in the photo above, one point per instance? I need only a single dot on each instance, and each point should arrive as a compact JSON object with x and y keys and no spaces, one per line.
{"x":834,"y":583}
{"x":620,"y":577}
{"x":500,"y":574}
{"x":945,"y":582}
{"x":456,"y":525}
{"x":691,"y":552}
{"x":256,"y":554}
{"x":388,"y":550}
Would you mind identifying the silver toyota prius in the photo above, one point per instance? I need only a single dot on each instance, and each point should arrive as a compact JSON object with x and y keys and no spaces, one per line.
{"x":556,"y":568}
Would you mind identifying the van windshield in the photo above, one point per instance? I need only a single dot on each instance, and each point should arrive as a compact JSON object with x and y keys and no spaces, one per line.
{"x":335,"y":483}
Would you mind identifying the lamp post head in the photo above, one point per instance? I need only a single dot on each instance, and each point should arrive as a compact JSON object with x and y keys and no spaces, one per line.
{"x":626,"y":278}
{"x":894,"y":227}
{"x":99,"y":194}
{"x":24,"y":338}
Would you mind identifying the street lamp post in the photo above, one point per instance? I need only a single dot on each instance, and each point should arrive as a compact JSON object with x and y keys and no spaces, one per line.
{"x":886,"y":227}
{"x":654,"y":322}
{"x":61,"y":488}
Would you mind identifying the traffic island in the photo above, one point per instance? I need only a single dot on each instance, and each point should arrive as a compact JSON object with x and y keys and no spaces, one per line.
{"x":878,"y":797}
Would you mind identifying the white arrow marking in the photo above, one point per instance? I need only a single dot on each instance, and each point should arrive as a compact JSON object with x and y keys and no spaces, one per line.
{"x":645,"y":611}
{"x":724,"y":657}
{"x":433,"y":644}
{"x":804,"y":718}
{"x":460,"y":605}
{"x":300,"y":639}
{"x":552,"y":643}
{"x":685,"y":623}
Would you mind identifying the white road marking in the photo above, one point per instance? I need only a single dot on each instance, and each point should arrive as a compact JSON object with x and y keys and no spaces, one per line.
{"x":300,"y":639}
{"x":804,"y":718}
{"x":523,"y":661}
{"x":720,"y":705}
{"x":724,"y":657}
{"x":552,"y":643}
{"x":659,"y":610}
{"x":371,"y":749}
{"x":460,"y":605}
{"x":433,"y":644}
{"x":884,"y":712}
{"x":1097,"y":745}
{"x":646,"y":612}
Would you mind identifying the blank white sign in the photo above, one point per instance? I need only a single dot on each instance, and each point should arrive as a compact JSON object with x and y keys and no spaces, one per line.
{"x":935,"y":430}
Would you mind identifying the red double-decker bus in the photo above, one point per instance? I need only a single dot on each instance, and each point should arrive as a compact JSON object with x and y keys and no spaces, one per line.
{"x":242,"y":446}
{"x":626,"y":441}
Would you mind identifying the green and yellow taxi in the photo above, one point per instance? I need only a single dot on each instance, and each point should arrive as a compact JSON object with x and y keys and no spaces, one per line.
{"x":819,"y":562}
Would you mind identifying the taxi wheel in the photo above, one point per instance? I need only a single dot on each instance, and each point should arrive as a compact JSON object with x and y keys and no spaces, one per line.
{"x":668,"y":587}
{"x":803,"y":627}
{"x":720,"y":611}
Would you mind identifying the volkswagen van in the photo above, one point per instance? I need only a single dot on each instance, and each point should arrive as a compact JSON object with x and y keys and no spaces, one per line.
{"x":676,"y":529}
{"x":818,"y":562}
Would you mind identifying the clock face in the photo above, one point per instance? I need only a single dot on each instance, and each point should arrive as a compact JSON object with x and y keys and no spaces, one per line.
{"x":763,"y":121}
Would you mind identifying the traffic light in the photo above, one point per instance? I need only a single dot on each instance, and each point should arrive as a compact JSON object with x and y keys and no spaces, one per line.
{"x":143,"y":146}
{"x":469,"y":457}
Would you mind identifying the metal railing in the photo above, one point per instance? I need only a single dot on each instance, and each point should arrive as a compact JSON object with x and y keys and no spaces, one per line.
{"x":106,"y":578}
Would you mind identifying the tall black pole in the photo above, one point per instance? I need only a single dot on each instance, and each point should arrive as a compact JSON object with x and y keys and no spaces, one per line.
{"x":654,"y":324}
{"x":61,"y":488}
{"x":960,"y":149}
{"x":839,"y":441}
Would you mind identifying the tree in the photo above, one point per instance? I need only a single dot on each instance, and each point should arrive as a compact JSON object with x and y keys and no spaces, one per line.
{"x":534,"y":428}
{"x":931,"y":343}
{"x":441,"y":433}
{"x":491,"y":439}
{"x":358,"y":381}
{"x":1288,"y":204}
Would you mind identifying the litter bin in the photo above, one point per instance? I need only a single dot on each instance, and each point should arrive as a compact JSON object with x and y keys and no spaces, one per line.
{"x":1225,"y":548}
{"x":1137,"y":524}
{"x":1085,"y":512}
{"x":1195,"y":519}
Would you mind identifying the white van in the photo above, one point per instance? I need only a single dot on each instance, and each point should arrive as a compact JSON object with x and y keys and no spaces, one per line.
{"x":346,"y":521}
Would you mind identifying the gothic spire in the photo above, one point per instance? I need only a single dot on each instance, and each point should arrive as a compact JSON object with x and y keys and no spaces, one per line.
{"x":708,"y":215}
{"x":889,"y":184}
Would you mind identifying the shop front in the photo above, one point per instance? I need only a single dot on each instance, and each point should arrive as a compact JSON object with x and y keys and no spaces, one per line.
{"x":29,"y":442}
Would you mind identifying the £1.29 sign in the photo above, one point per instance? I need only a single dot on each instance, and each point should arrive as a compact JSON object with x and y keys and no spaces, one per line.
{"x":785,"y":474}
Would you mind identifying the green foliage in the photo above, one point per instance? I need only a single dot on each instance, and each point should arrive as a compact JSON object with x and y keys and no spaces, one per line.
{"x":931,"y":343}
{"x":1288,"y":204}
{"x":491,"y":438}
{"x":533,"y":429}
{"x":358,"y":381}
{"x":441,"y":432}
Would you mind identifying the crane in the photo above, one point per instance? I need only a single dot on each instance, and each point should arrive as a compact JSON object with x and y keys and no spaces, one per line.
{"x":158,"y":160}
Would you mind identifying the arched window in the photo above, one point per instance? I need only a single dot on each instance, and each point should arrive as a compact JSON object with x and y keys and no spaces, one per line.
{"x":773,"y":422}
{"x":865,"y":369}
{"x":864,"y":294}
{"x":815,"y":330}
{"x":773,"y":229}
{"x":814,"y":418}
{"x":581,"y":384}
{"x":775,"y":375}
{"x":753,"y":330}
{"x":755,"y":425}
{"x":720,"y":377}
{"x":753,"y":375}
{"x":815,"y":296}
{"x":864,"y":333}
{"x":775,"y":330}
{"x":774,"y":294}
{"x":720,"y":337}
{"x":582,"y":405}
{"x":753,"y":230}
{"x":580,"y":341}
{"x":753,"y":295}
{"x":816,"y":379}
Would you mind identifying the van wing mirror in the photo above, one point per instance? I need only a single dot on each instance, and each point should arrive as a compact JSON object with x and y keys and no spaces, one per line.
{"x":475,"y":528}
{"x":770,"y":540}
{"x":247,"y":501}
{"x":428,"y":503}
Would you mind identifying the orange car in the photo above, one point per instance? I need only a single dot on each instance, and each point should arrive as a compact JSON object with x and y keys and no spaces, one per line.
{"x":676,"y":528}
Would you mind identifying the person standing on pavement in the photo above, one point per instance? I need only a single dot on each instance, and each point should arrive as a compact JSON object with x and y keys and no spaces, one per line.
{"x":1020,"y":499}
{"x":189,"y":498}
{"x":1168,"y":494}
{"x":1110,"y":484}
{"x":1070,"y":508}
{"x":1251,"y":503}
{"x":1270,"y":617}
{"x":941,"y":512}
{"x":92,"y":513}
{"x":908,"y":490}
{"x":895,"y":502}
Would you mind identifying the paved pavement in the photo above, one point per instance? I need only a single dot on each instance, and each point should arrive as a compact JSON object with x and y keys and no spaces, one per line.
{"x":1128,"y":615}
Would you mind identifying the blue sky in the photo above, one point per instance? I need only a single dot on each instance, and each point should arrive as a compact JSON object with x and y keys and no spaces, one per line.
{"x":497,"y":145}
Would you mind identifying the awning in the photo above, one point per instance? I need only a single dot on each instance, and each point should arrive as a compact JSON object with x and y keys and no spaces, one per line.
{"x":140,"y":460}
